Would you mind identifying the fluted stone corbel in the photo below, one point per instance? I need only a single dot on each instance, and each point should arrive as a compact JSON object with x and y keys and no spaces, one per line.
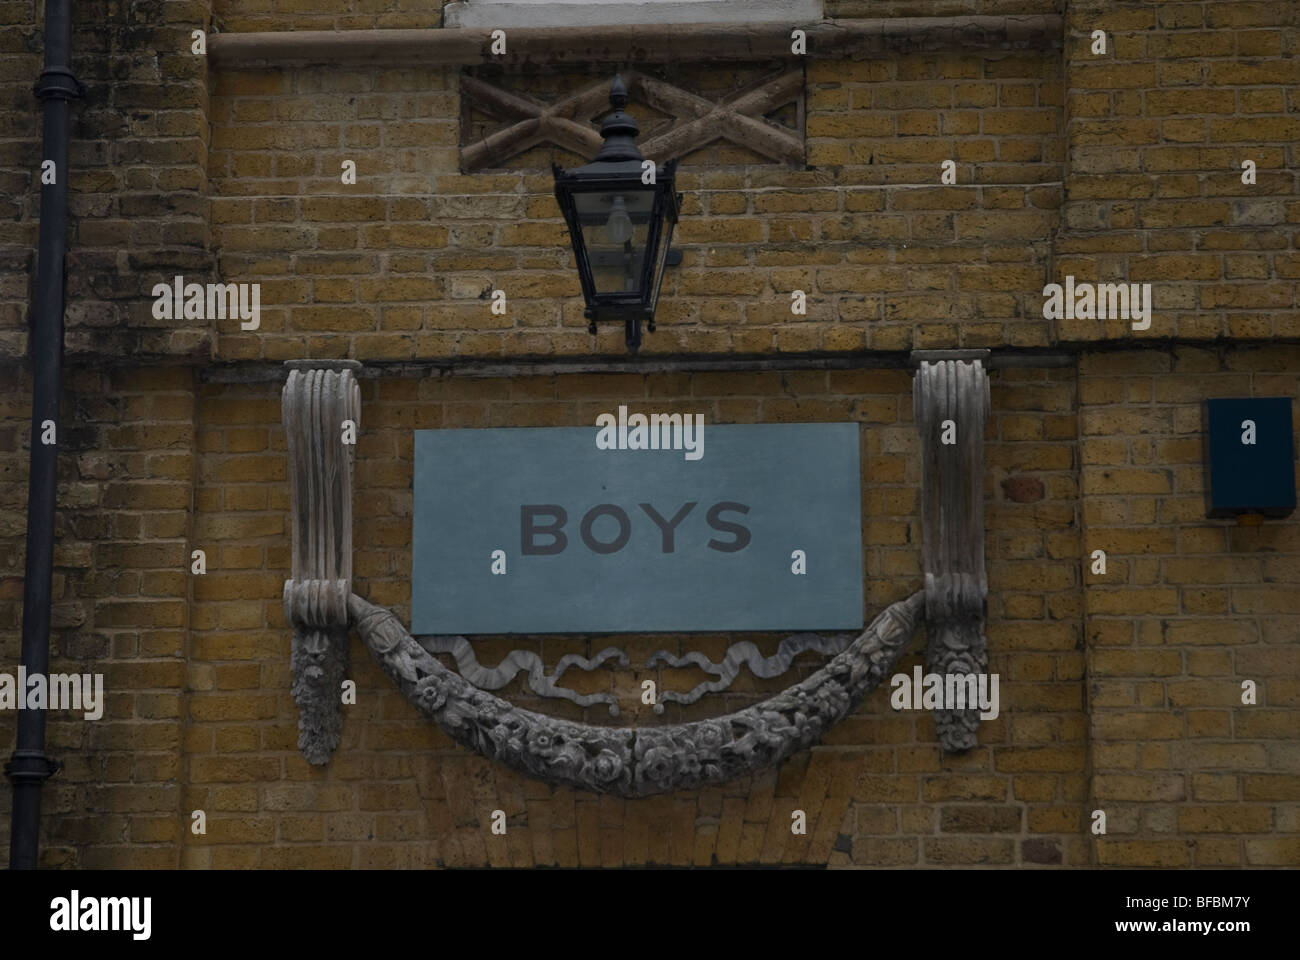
{"x":952,"y":385}
{"x":318,"y":397}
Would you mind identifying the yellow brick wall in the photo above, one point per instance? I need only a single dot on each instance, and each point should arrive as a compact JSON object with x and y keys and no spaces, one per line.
{"x":137,"y":178}
{"x":401,"y":265}
{"x":399,"y":793}
{"x":1120,"y":166}
{"x":1157,"y":129}
{"x":121,"y":608}
{"x":1188,"y":608}
{"x":1118,"y":690}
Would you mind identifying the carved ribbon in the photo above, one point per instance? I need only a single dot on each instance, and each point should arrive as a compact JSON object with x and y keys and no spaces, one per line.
{"x":950,"y":396}
{"x":638,"y":761}
{"x":318,"y":397}
{"x":494,"y":678}
{"x":744,"y":653}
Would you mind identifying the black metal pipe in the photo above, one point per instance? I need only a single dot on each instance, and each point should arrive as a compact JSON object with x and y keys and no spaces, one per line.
{"x":28,"y":768}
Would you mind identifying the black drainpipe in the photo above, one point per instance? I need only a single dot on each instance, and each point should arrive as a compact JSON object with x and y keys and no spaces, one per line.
{"x":29,"y":767}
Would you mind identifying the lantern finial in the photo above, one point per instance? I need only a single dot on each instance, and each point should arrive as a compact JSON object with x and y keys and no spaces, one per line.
{"x":619,"y":129}
{"x":618,"y":93}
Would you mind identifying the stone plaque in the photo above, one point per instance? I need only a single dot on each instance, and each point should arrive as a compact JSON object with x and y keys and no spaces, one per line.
{"x":723,"y":527}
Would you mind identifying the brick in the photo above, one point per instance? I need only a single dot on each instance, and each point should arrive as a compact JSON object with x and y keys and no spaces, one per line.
{"x":1225,"y":818}
{"x":968,"y":850}
{"x":1146,"y":145}
{"x":1142,"y":853}
{"x":979,"y":819}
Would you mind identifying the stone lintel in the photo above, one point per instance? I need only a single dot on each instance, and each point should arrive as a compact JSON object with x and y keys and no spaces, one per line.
{"x":641,"y":43}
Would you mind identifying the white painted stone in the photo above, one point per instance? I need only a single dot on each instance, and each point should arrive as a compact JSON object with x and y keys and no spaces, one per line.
{"x":582,"y":13}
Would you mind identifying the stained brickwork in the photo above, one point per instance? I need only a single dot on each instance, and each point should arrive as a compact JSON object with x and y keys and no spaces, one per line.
{"x":121,"y":608}
{"x":138,"y":208}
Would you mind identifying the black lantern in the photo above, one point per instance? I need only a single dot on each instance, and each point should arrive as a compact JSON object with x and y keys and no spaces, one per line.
{"x":620,"y":211}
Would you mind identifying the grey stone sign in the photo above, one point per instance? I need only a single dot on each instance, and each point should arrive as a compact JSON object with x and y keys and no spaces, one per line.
{"x":539,"y":530}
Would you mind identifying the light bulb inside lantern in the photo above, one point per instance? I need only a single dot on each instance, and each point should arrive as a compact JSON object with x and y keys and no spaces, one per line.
{"x":618,"y":228}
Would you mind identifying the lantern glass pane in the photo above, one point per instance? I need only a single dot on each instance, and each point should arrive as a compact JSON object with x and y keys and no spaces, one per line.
{"x":597,"y":206}
{"x":615,"y":226}
{"x":661,"y":257}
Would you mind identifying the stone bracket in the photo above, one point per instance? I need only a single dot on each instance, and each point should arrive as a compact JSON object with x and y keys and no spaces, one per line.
{"x":318,"y":397}
{"x":950,"y":397}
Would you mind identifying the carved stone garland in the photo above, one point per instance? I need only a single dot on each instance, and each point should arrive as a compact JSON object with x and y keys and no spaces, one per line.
{"x":631,"y":762}
{"x":639,"y":761}
{"x":950,"y":395}
{"x":318,"y":397}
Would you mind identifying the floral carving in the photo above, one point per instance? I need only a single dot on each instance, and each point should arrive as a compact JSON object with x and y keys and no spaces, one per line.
{"x":431,"y":693}
{"x":318,"y":660}
{"x":629,"y":761}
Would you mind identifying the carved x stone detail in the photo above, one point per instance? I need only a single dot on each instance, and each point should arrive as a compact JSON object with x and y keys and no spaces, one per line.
{"x":738,"y":119}
{"x":536,"y":122}
{"x":699,"y":121}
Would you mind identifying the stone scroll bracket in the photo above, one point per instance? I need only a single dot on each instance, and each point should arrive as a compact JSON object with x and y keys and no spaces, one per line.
{"x":319,"y":397}
{"x":950,"y":396}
